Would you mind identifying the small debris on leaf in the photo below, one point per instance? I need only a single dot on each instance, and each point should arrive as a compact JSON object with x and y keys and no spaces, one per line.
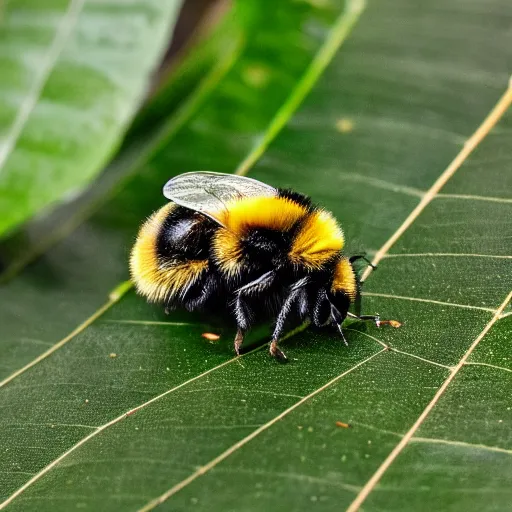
{"x":112,"y":355}
{"x":210,"y":336}
{"x":393,"y":323}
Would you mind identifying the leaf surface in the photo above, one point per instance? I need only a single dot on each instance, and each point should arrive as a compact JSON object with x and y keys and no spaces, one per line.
{"x":73,"y":73}
{"x":174,"y":422}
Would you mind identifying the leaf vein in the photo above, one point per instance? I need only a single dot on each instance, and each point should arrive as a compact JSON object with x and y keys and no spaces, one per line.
{"x":51,"y":425}
{"x":224,"y":455}
{"x":98,"y":430}
{"x":372,"y":482}
{"x":292,"y":476}
{"x":63,"y":31}
{"x":446,"y":254}
{"x":377,"y":183}
{"x":482,"y":131}
{"x":249,"y":391}
{"x":443,"y":195}
{"x":488,"y":365}
{"x":431,"y":301}
{"x":86,"y":323}
{"x":460,"y":443}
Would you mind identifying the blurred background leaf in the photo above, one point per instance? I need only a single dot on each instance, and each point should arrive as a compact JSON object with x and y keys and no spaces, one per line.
{"x":108,"y":404}
{"x":73,"y":74}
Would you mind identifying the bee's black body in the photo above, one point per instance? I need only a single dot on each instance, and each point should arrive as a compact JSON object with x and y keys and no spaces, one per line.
{"x":256,"y":258}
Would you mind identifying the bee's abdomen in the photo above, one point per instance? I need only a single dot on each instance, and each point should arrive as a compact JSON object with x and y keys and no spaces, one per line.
{"x":184,"y":235}
{"x":171,"y":254}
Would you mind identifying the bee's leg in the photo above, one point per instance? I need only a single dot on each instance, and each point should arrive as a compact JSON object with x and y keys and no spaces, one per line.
{"x":239,"y":339}
{"x":277,"y":353}
{"x":338,"y":320}
{"x":297,"y":293}
{"x":242,"y":311}
{"x":303,"y":303}
{"x":371,"y":318}
{"x":322,"y":308}
{"x":242,"y":315}
{"x":258,"y":285}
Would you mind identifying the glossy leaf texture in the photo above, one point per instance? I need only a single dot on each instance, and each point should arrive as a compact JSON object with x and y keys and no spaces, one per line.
{"x":73,"y":74}
{"x":405,"y":137}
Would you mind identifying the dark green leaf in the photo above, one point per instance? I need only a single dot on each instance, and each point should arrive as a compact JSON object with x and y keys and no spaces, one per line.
{"x":174,"y":421}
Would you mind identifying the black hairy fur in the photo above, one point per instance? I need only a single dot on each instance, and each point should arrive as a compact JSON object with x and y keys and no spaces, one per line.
{"x":271,"y":287}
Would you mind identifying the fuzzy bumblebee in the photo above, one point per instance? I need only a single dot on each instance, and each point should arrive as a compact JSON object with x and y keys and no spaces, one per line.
{"x":256,"y":251}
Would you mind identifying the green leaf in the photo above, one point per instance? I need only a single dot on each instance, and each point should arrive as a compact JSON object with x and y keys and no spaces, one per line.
{"x":73,"y":73}
{"x":133,"y":410}
{"x":191,"y":78}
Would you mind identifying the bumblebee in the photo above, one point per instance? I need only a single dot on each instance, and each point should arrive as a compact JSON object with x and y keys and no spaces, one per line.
{"x":233,"y":243}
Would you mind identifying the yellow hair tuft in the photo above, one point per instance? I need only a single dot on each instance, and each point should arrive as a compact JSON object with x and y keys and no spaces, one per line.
{"x":279,"y":213}
{"x":155,"y":280}
{"x":319,"y":240}
{"x":243,"y":215}
{"x":344,"y":279}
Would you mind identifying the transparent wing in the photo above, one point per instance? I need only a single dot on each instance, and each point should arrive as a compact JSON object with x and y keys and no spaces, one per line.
{"x":208,"y":192}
